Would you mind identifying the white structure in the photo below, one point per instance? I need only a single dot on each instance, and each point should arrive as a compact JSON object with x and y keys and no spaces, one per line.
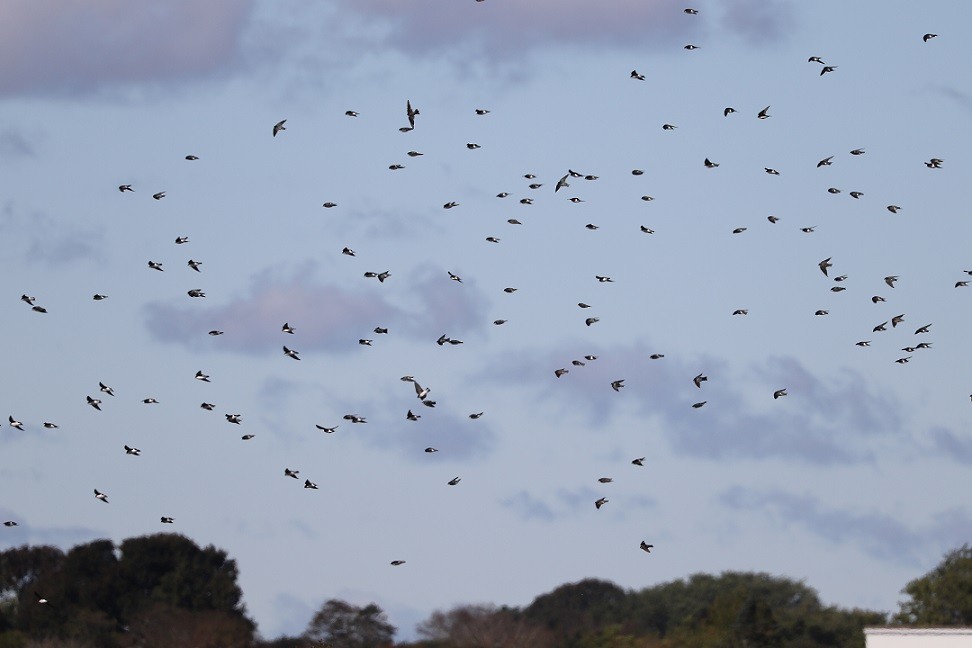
{"x":918,"y":637}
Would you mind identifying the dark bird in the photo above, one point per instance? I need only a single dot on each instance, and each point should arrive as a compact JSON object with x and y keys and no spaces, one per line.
{"x":351,"y":113}
{"x":124,"y":188}
{"x":602,"y":279}
{"x":454,"y":277}
{"x":833,"y":190}
{"x":150,"y":401}
{"x":923,"y":329}
{"x":928,"y":37}
{"x":600,"y":502}
{"x":309,"y":484}
{"x":647,"y":547}
{"x":482,"y":111}
{"x":764,"y":113}
{"x":561,"y":184}
{"x":215,"y":332}
{"x":728,"y":111}
{"x":827,"y":68}
{"x":691,"y":47}
{"x":450,"y":205}
{"x":207,"y":406}
{"x":291,"y":473}
{"x":51,"y":426}
{"x":94,"y":402}
{"x":778,"y":393}
{"x":329,"y":205}
{"x":741,"y":311}
{"x":893,"y":209}
{"x":561,"y":372}
{"x":380,"y":330}
{"x":167,"y":520}
{"x":279,"y":126}
{"x":287,"y":328}
{"x":856,"y":194}
{"x":823,"y":265}
{"x":691,"y":11}
{"x":454,"y":481}
{"x":591,"y":320}
{"x":815,"y":59}
{"x":699,"y":404}
{"x":155,"y":265}
{"x":430,"y":450}
{"x":709,"y":164}
{"x":880,"y":327}
{"x":411,"y":416}
{"x":822,"y":312}
{"x":181,"y":240}
{"x":863,"y":343}
{"x":476,"y":415}
{"x":771,"y":171}
{"x":15,"y":423}
{"x":636,"y":75}
{"x":39,"y":309}
{"x":9,"y":523}
{"x":903,"y":360}
{"x":159,"y":196}
{"x":657,"y":356}
{"x":290,"y":353}
{"x":99,"y":297}
{"x":669,"y":126}
{"x":825,"y":162}
{"x":616,"y":385}
{"x":897,"y":319}
{"x":247,"y":437}
{"x":472,"y":146}
{"x":326,"y":430}
{"x":890,"y":279}
{"x":194,"y":264}
{"x":640,"y":461}
{"x":105,"y":388}
{"x":191,"y":157}
{"x":647,"y":230}
{"x":99,"y":495}
{"x":201,"y":376}
{"x":877,"y":298}
{"x":698,"y":380}
{"x":808,"y":230}
{"x":196,"y":292}
{"x":605,"y":480}
{"x":410,"y":113}
{"x":234,"y":418}
{"x":396,"y":563}
{"x":739,"y":230}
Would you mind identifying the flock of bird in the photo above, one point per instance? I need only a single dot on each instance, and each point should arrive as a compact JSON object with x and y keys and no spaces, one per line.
{"x":103,"y":392}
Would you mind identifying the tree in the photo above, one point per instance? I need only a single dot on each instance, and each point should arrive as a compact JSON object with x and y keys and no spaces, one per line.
{"x":483,"y":626}
{"x":339,"y":624}
{"x":943,"y":596}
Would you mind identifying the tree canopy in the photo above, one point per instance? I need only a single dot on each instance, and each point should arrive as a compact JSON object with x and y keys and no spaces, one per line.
{"x":943,"y":596}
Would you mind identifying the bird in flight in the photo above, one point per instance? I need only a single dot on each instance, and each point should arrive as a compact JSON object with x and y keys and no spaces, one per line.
{"x":279,"y":126}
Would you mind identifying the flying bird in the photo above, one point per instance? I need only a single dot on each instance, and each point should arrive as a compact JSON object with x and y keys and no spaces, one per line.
{"x":201,"y":376}
{"x":94,"y":402}
{"x":636,"y":75}
{"x":698,"y":380}
{"x":410,"y":113}
{"x":99,"y":495}
{"x":640,"y":461}
{"x":165,"y":519}
{"x":928,"y":37}
{"x":454,"y":481}
{"x":14,"y":423}
{"x":290,"y":353}
{"x":234,"y":418}
{"x":600,"y":502}
{"x":823,"y":265}
{"x":778,"y":393}
{"x":646,"y":547}
{"x":279,"y":126}
{"x":764,"y":113}
{"x":616,"y":385}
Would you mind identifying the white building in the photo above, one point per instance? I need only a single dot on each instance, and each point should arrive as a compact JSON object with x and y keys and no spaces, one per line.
{"x":918,"y":637}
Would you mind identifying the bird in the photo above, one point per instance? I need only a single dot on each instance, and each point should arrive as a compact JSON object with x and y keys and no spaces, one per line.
{"x":279,"y":126}
{"x":698,"y":380}
{"x":646,"y":547}
{"x":396,"y":563}
{"x":326,"y":430}
{"x":691,"y":11}
{"x":351,"y":113}
{"x":709,"y":164}
{"x":234,"y":418}
{"x":410,"y":112}
{"x":961,"y":284}
{"x":380,"y":330}
{"x":329,"y":205}
{"x":771,"y":171}
{"x":180,"y":240}
{"x":309,"y":484}
{"x":656,"y":356}
{"x":51,"y":426}
{"x":600,"y":502}
{"x":923,"y":329}
{"x":450,"y":205}
{"x":411,"y":416}
{"x":808,"y":230}
{"x":499,"y":322}
{"x":414,"y":154}
{"x":10,"y":523}
{"x":247,"y":437}
{"x":194,"y":264}
{"x":856,"y":194}
{"x":773,"y":219}
{"x":840,"y":278}
{"x":287,"y":328}
{"x":165,"y":519}
{"x":815,"y":59}
{"x":560,"y":372}
{"x":739,"y":230}
{"x":699,"y":404}
{"x":125,"y":187}
{"x":825,"y":162}
{"x":647,"y":230}
{"x":99,"y":297}
{"x":201,"y":376}
{"x":877,"y":298}
{"x":106,"y":389}
{"x":454,"y":481}
{"x":482,"y":111}
{"x":196,"y":292}
{"x":691,"y":47}
{"x":890,"y":279}
{"x":838,"y":289}
{"x":728,"y":111}
{"x":863,"y":343}
{"x":492,"y":239}
{"x":192,"y":157}
{"x":590,"y":358}
{"x":207,"y":406}
{"x":99,"y":495}
{"x":159,"y":196}
{"x":472,"y":146}
{"x":291,"y":473}
{"x":155,"y":265}
{"x":880,"y":327}
{"x":893,"y":209}
{"x":354,"y":418}
{"x":857,"y":151}
{"x":150,"y":401}
{"x":637,"y":172}
{"x":454,"y":277}
{"x":430,"y":450}
{"x":605,"y":480}
{"x":15,"y":423}
{"x":741,"y":311}
{"x":934,"y":163}
{"x":39,"y":309}
{"x":616,"y":385}
{"x":28,"y":299}
{"x":897,"y":319}
{"x":636,"y":75}
{"x":778,"y":393}
{"x":903,"y":360}
{"x":669,"y":127}
{"x":827,"y":68}
{"x":476,"y":415}
{"x":561,"y":183}
{"x":821,"y":312}
{"x":928,"y":37}
{"x":823,"y":265}
{"x":603,"y":279}
{"x":833,"y":190}
{"x":764,"y":113}
{"x":290,"y":353}
{"x":215,"y":332}
{"x":591,"y":320}
{"x":640,"y":461}
{"x":94,"y":402}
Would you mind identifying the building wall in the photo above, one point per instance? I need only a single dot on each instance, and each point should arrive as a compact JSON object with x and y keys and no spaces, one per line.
{"x":918,"y":637}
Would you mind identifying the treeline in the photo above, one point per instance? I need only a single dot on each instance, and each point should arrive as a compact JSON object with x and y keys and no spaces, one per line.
{"x":164,"y":591}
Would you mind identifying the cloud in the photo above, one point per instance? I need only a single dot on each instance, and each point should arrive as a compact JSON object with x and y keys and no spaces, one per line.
{"x":963,"y":99}
{"x":758,"y":21}
{"x":507,"y":30}
{"x":952,"y":446}
{"x":48,"y":240}
{"x":820,"y":422}
{"x":13,"y":144}
{"x":325,"y":315}
{"x":878,"y":534}
{"x":528,"y":507}
{"x":52,"y":47}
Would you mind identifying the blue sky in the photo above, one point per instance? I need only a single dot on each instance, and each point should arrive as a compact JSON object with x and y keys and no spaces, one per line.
{"x":855,"y":482}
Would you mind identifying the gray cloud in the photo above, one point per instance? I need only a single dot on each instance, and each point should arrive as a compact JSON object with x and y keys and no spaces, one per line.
{"x":819,"y":422}
{"x":326,"y":316}
{"x":528,"y":507}
{"x":52,"y":47}
{"x":758,"y":21}
{"x":952,"y":446}
{"x":13,"y":144}
{"x":880,"y":535}
{"x":49,"y":240}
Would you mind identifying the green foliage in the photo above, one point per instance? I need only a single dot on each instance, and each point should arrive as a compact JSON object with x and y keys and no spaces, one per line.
{"x":483,"y":626}
{"x":943,"y":596}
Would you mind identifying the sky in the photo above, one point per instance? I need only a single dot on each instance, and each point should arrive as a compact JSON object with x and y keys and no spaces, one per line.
{"x":855,"y":482}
